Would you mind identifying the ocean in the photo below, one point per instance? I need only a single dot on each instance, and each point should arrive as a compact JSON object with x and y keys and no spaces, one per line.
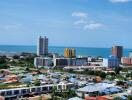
{"x":83,"y":51}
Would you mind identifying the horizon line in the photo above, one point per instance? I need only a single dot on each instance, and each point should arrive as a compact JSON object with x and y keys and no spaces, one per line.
{"x":60,"y":46}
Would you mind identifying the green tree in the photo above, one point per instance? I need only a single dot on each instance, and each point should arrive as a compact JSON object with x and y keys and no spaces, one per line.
{"x":37,"y":83}
{"x":118,"y":69}
{"x":53,"y":92}
{"x":129,"y":97}
{"x":102,"y":75}
{"x":83,"y":95}
{"x":117,"y":98}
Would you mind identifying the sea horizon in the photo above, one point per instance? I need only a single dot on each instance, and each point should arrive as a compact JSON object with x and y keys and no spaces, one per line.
{"x":66,"y":46}
{"x":82,"y":51}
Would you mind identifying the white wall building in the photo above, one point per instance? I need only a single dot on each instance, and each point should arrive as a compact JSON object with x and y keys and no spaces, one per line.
{"x":81,"y":61}
{"x":63,"y":61}
{"x":111,"y":62}
{"x":70,"y":61}
{"x":43,"y":61}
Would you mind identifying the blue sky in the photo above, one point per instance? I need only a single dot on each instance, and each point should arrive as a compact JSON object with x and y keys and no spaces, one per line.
{"x":80,"y":23}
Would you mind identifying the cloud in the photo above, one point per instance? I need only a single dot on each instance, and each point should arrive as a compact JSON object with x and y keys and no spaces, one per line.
{"x":80,"y":22}
{"x":93,"y":26}
{"x":80,"y":14}
{"x":11,"y":26}
{"x":120,"y":1}
{"x":85,"y":23}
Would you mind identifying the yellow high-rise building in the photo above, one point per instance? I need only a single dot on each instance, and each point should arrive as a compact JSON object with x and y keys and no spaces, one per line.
{"x":73,"y":53}
{"x":69,"y":53}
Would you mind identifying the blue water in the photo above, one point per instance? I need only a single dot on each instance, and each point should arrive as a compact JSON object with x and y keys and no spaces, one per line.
{"x":84,"y":51}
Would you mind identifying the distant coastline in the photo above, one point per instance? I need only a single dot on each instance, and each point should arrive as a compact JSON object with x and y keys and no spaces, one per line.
{"x":84,"y":51}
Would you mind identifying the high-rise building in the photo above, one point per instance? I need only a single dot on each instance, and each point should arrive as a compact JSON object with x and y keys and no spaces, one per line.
{"x":130,"y":54}
{"x":117,"y":51}
{"x":73,"y":53}
{"x":69,"y":53}
{"x":42,"y":46}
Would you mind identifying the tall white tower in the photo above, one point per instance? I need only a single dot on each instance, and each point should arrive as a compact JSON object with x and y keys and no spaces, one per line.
{"x":42,"y":46}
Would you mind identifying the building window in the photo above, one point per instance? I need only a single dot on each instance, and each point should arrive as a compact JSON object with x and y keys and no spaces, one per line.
{"x":33,"y":89}
{"x":16,"y":92}
{"x":24,"y":91}
{"x":50,"y":88}
{"x":44,"y":88}
{"x":2,"y":93}
{"x":38,"y":89}
{"x":28,"y":90}
{"x":9,"y":92}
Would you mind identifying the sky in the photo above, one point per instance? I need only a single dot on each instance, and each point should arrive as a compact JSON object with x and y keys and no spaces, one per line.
{"x":76,"y":23}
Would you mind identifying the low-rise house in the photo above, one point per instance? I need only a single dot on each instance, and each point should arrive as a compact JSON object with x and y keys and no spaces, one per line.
{"x":93,"y":89}
{"x":129,"y":90}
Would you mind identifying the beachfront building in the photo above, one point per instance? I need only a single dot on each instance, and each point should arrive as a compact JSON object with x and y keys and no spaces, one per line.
{"x":69,"y":53}
{"x":42,"y":46}
{"x":117,"y":51}
{"x":95,"y":61}
{"x":64,"y":61}
{"x":70,"y":61}
{"x":126,"y":61}
{"x":43,"y":61}
{"x":82,"y":61}
{"x":111,"y":62}
{"x":130,"y":54}
{"x":59,"y":61}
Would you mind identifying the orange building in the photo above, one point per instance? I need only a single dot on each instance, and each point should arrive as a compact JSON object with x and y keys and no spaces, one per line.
{"x":69,"y":53}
